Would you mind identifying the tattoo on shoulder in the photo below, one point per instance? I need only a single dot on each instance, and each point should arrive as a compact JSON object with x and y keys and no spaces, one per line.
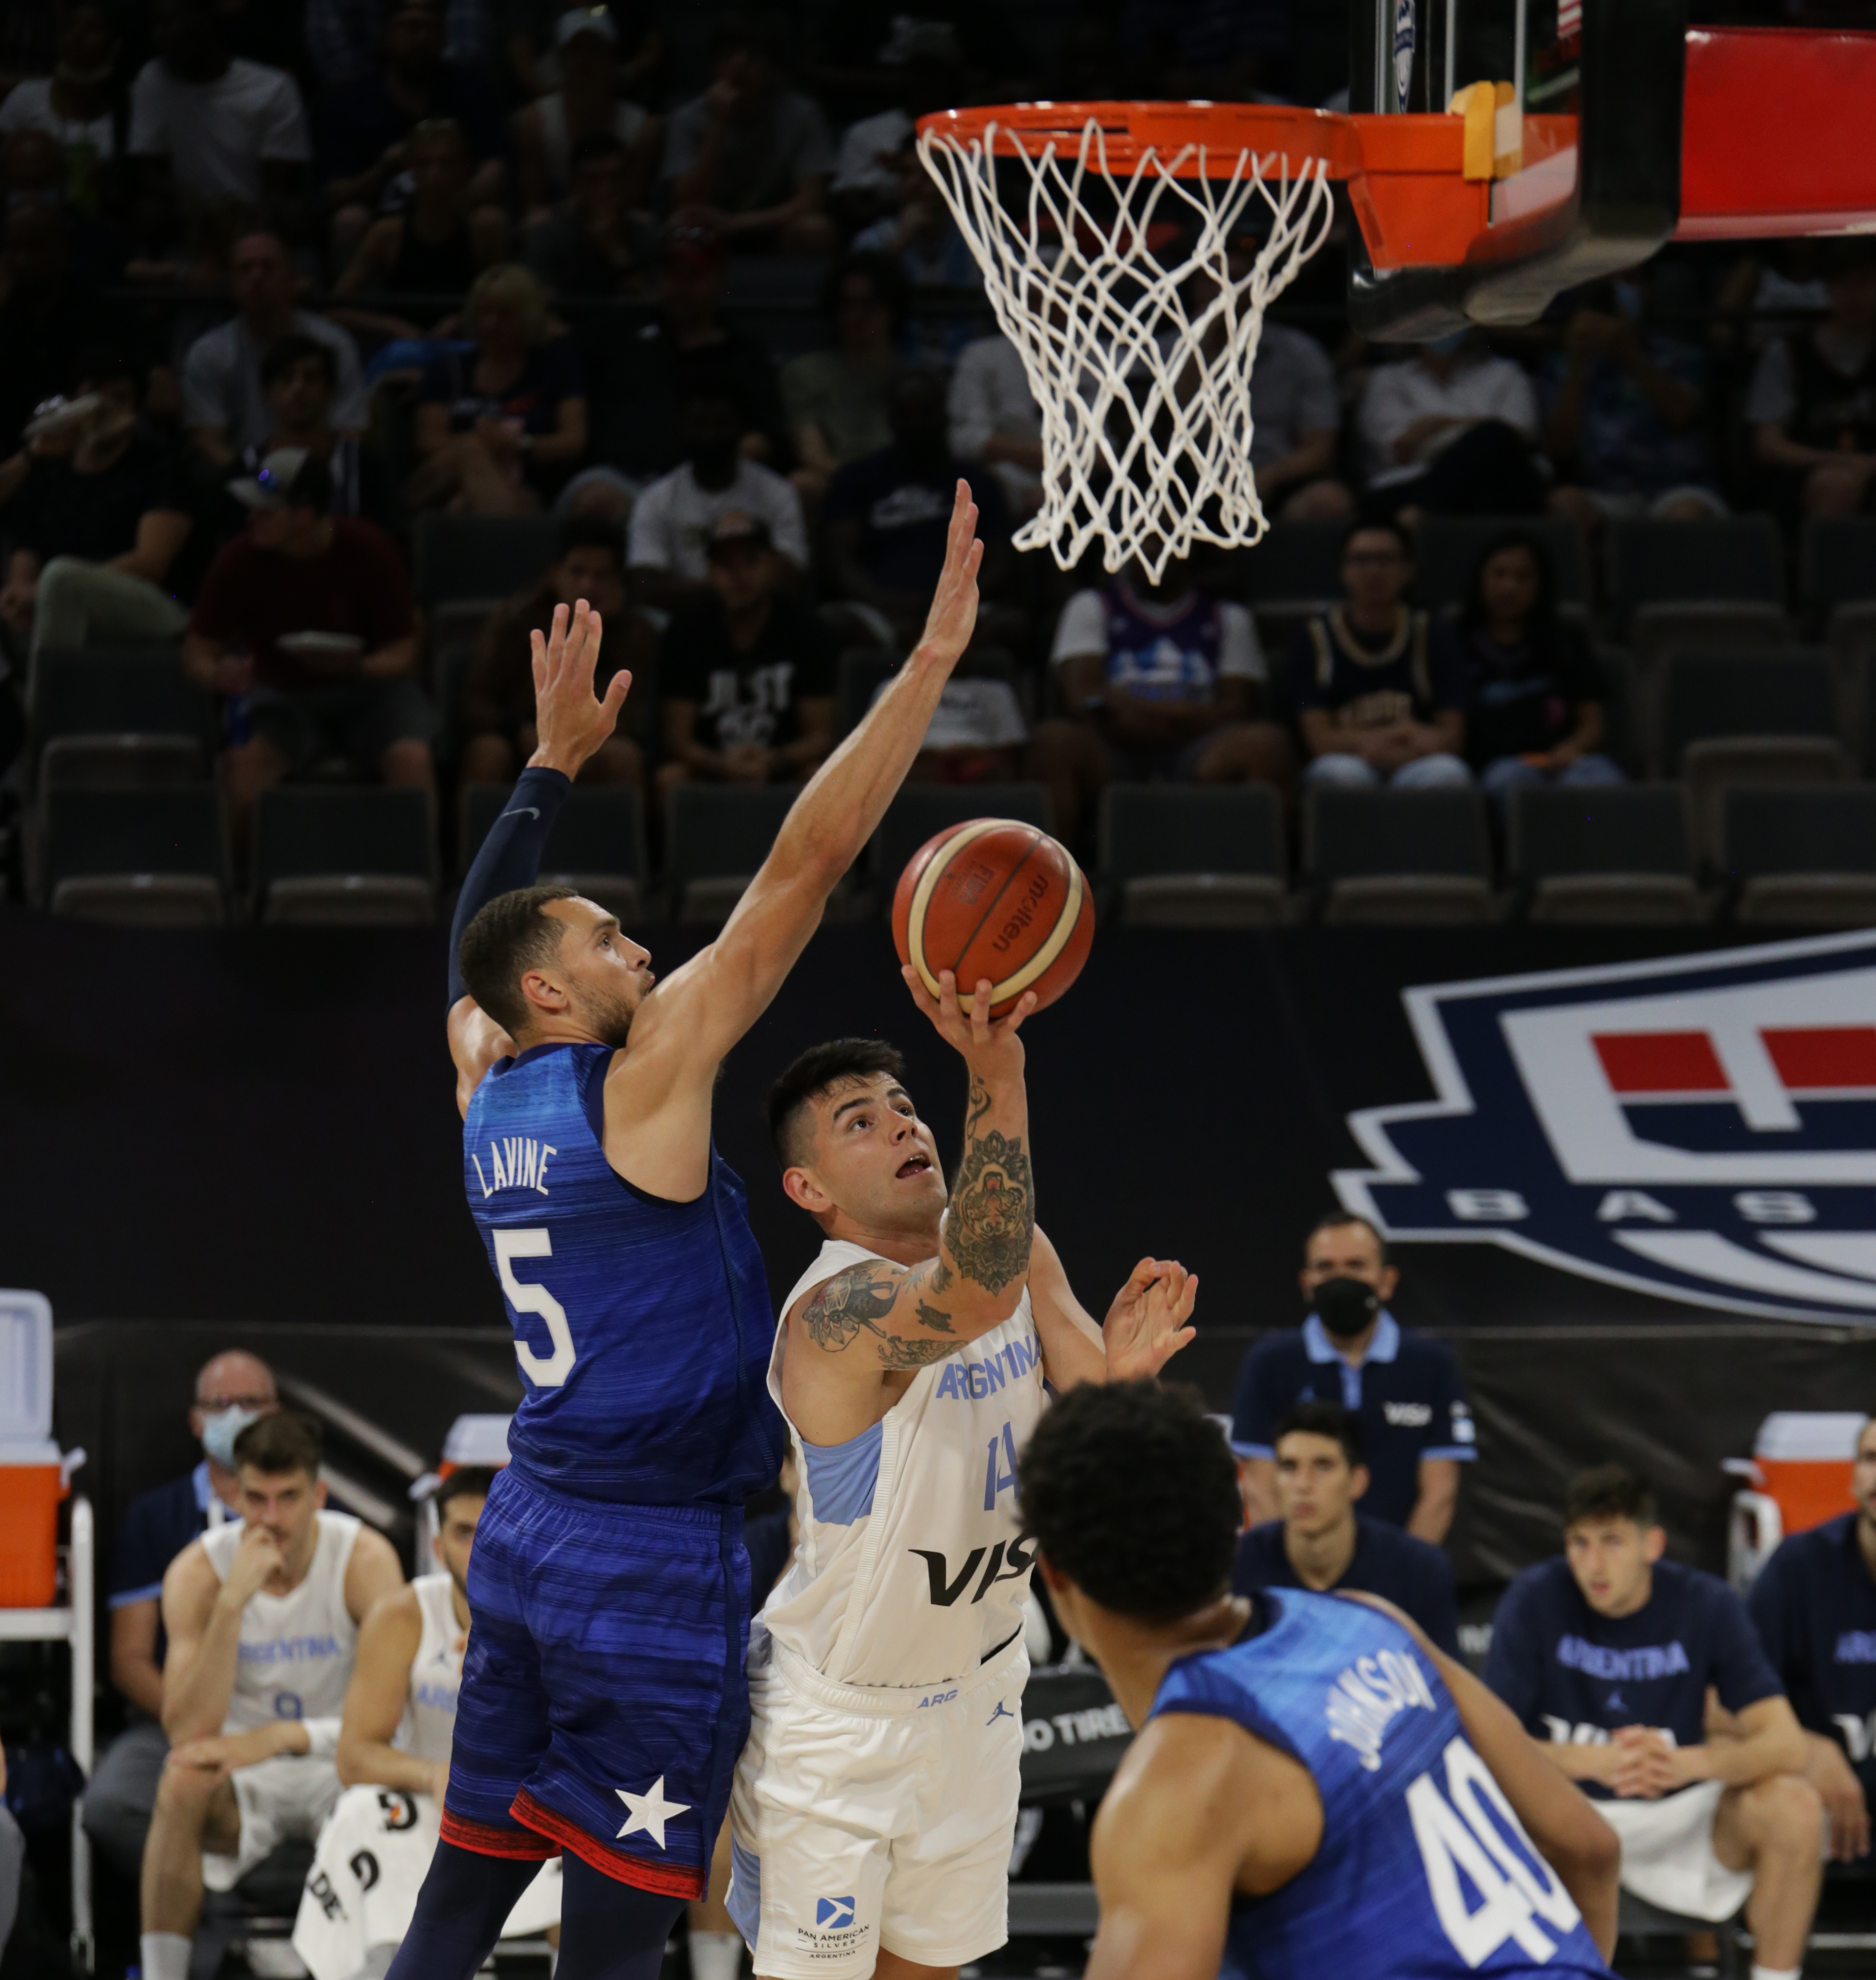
{"x":855,"y":1301}
{"x":992,"y":1218}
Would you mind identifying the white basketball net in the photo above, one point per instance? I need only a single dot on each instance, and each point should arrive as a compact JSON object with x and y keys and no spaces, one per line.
{"x":1142,"y":373}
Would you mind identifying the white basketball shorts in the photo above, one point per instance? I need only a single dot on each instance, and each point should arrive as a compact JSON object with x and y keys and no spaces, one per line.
{"x":866,"y":1818}
{"x":287,"y":1797}
{"x":1667,"y":1852}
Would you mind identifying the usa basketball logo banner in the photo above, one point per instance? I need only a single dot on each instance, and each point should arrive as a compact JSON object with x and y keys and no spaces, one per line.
{"x":1702,"y":1127}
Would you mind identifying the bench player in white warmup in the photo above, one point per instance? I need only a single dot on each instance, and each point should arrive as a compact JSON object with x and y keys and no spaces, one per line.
{"x":393,"y":1762}
{"x":876,"y":1800}
{"x":263,"y":1623}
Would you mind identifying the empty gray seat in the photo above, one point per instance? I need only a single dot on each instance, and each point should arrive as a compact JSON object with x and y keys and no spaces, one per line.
{"x":719,"y":835}
{"x":1403,"y":856}
{"x":480,"y":557}
{"x":116,"y":715}
{"x":1836,"y":564}
{"x":1805,"y":855}
{"x":1619,"y":854}
{"x":1180,"y":856}
{"x":152,"y":857}
{"x":921,"y":811}
{"x":1447,"y":550}
{"x":598,"y":844}
{"x":335,"y":858}
{"x":1739,"y":558}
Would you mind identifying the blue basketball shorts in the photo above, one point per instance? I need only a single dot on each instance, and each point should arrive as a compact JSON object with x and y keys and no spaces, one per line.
{"x":604,"y":1700}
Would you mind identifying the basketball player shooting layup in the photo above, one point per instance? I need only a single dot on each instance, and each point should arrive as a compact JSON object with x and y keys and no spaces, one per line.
{"x":603,"y":1702}
{"x":1315,"y":1788}
{"x":876,"y":1801}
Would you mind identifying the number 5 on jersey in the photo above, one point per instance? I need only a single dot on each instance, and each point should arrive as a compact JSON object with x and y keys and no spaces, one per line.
{"x":548,"y":1371}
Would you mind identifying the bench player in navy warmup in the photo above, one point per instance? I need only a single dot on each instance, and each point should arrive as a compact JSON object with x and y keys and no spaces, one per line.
{"x":603,"y":1702}
{"x":1314,"y":1790}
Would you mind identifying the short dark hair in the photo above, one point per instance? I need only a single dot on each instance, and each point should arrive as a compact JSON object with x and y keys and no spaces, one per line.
{"x":1132,"y":1492}
{"x":819,"y":1071}
{"x":1519,"y":537}
{"x":281,"y":357}
{"x":1386,"y":526}
{"x":1339,"y":1219}
{"x":590,"y":532}
{"x":1609,"y":1492}
{"x":467,"y":1481}
{"x":509,"y":936}
{"x":288,"y":1440}
{"x":882,"y":269}
{"x":1317,"y":1419}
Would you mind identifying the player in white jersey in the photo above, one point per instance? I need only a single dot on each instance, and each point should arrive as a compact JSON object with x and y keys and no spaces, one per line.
{"x":394,"y":1762}
{"x":876,"y":1800}
{"x":263,"y":1621}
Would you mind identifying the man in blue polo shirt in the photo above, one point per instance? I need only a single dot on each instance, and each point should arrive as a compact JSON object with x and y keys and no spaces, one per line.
{"x":1403,"y":1390}
{"x":1322,"y":1543}
{"x":1815,"y":1607}
{"x":231,"y":1391}
{"x":1608,"y":1655}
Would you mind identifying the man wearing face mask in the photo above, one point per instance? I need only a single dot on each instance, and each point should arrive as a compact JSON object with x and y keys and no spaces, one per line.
{"x":1403,"y":1390}
{"x":231,"y":1391}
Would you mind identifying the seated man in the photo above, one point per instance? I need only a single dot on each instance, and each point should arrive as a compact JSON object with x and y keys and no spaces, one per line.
{"x":1608,"y":1655}
{"x":1164,"y":680}
{"x":308,"y":614}
{"x":588,"y":245}
{"x":1320,"y":1541}
{"x":393,"y":1762}
{"x":994,"y":419}
{"x":1815,"y":1606}
{"x":497,"y":711}
{"x":263,"y":1621}
{"x":746,"y":680}
{"x":1811,"y":406}
{"x":300,"y":380}
{"x":231,"y":1391}
{"x":1379,"y":688}
{"x":1295,"y":418}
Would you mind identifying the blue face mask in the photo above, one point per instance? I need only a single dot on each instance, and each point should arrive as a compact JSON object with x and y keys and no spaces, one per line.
{"x":220,"y":1430}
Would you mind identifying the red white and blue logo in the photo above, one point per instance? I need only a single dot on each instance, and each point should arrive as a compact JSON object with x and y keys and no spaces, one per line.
{"x":1702,"y":1127}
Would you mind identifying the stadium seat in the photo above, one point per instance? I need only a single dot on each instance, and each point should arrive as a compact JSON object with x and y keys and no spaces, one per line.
{"x":1447,"y":550}
{"x":145,"y":859}
{"x":1806,"y":855}
{"x":480,"y":557}
{"x":1420,"y":857}
{"x":1616,"y":855}
{"x":336,"y":858}
{"x":1837,"y":565}
{"x":864,"y":670}
{"x":1181,"y":856}
{"x":1295,"y":571}
{"x":720,"y":834}
{"x":1740,"y":559}
{"x":921,"y":811}
{"x":121,"y":715}
{"x":1656,"y":631}
{"x":1636,"y":1919}
{"x":597,"y":844}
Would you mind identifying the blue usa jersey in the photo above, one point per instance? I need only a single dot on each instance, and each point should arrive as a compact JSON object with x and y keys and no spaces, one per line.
{"x":1424,"y":1872}
{"x":641,"y":1327}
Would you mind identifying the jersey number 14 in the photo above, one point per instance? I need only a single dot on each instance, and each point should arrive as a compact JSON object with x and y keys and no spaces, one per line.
{"x":545,"y":1371}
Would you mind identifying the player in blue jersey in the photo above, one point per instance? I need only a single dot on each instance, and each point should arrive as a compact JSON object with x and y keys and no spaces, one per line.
{"x":1314,"y":1790}
{"x":603,"y":1703}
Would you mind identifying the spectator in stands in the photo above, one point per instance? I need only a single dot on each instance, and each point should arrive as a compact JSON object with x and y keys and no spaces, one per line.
{"x":1450,"y":431}
{"x":921,"y":236}
{"x":97,"y":510}
{"x":497,"y":711}
{"x":1403,"y":1389}
{"x":1319,"y":1539}
{"x":47,"y":317}
{"x":1535,"y":708}
{"x":80,"y":106}
{"x":922,"y":59}
{"x":307,"y":615}
{"x":366,"y":127}
{"x":207,"y":126}
{"x":12,"y":1864}
{"x":835,"y":400}
{"x":1379,"y":687}
{"x":748,"y":160}
{"x":299,"y":378}
{"x":977,"y":733}
{"x":1625,"y":406}
{"x":587,"y":105}
{"x":1814,"y":1605}
{"x":1165,"y":682}
{"x":1608,"y":1654}
{"x":1295,"y":421}
{"x":994,"y":420}
{"x":500,"y":426}
{"x":232,"y":1389}
{"x":239,"y":1700}
{"x":746,"y":679}
{"x":588,"y":246}
{"x":342,"y":38}
{"x":886,"y":514}
{"x":1812,"y":403}
{"x":224,"y":404}
{"x":674,"y":518}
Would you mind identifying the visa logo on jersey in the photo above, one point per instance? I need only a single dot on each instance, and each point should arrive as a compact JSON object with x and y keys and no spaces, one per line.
{"x":1704,"y":1127}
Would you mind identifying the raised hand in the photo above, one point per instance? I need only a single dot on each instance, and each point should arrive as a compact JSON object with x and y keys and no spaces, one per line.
{"x":569,"y":719}
{"x":992,"y":1048}
{"x":953,"y":616}
{"x":1146,"y":1325}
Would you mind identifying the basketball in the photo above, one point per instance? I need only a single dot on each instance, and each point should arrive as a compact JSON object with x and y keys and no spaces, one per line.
{"x":996,"y":898}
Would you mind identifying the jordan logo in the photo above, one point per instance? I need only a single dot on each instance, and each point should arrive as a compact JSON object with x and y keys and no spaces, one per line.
{"x":1002,"y":1712}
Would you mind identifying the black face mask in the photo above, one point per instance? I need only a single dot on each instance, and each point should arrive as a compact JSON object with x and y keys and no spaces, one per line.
{"x":1346,"y":1306}
{"x":714,"y":460}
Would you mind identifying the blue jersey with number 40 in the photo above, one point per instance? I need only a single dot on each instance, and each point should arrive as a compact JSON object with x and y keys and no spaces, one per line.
{"x":1424,"y":1872}
{"x":641,"y":1327}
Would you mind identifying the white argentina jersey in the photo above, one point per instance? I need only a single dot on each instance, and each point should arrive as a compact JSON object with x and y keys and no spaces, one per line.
{"x":429,"y":1723}
{"x":911,"y":1568}
{"x":295,"y":1653}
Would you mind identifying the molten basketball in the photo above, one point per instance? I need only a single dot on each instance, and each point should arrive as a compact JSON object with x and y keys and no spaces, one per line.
{"x":994,"y":899}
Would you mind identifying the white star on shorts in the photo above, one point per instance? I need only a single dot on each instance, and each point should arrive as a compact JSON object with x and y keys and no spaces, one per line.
{"x":649,"y":1812}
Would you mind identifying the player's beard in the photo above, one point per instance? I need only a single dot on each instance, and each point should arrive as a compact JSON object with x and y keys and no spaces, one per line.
{"x":608,"y":1018}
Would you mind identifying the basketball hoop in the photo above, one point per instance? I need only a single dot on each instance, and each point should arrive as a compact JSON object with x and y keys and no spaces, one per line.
{"x":1112,"y":273}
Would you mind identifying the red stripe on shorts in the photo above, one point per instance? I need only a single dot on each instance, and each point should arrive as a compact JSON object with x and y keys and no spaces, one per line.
{"x":487,"y":1840}
{"x":669,"y":1880}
